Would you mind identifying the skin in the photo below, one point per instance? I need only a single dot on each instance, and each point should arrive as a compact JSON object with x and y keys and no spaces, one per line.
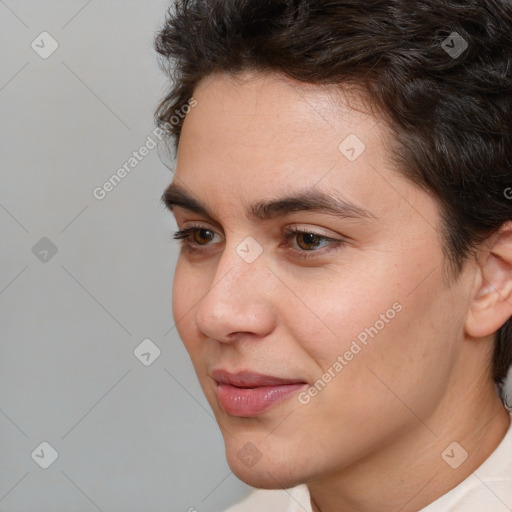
{"x":372,"y":439}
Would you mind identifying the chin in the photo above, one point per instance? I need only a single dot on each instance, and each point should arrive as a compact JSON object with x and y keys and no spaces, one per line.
{"x":264,"y":476}
{"x":264,"y":467}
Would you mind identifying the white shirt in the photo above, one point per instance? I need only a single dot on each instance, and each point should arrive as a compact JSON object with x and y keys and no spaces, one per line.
{"x":488,"y":489}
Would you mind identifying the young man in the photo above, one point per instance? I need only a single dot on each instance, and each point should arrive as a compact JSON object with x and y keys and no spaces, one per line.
{"x":344,"y":287}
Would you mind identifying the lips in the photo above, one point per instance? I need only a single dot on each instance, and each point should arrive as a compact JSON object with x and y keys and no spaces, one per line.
{"x":249,"y":394}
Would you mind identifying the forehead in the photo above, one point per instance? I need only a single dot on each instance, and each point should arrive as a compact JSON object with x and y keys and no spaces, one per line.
{"x":252,"y":136}
{"x":266,"y":105}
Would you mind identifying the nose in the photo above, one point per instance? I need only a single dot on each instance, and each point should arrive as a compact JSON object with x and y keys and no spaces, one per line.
{"x":239,"y":299}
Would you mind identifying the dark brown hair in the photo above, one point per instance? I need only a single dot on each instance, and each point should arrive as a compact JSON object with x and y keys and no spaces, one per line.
{"x":447,"y":97}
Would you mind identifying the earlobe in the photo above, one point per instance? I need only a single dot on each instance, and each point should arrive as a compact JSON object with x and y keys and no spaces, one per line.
{"x":491,"y":306}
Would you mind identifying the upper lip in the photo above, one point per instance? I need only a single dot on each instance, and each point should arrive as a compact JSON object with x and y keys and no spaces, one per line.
{"x":247,"y":379}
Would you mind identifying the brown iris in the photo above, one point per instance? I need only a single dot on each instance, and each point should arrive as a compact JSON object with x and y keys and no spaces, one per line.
{"x":310,"y":239}
{"x":203,"y":232}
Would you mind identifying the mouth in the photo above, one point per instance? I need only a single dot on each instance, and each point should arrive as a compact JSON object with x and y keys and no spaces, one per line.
{"x":246,"y":394}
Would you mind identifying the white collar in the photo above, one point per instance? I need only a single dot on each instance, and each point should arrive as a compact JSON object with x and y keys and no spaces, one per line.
{"x":488,"y":488}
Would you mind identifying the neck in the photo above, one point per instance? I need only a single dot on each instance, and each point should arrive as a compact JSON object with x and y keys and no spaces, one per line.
{"x":411,"y":473}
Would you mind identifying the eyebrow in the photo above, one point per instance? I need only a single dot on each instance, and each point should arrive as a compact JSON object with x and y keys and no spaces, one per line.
{"x":310,"y":200}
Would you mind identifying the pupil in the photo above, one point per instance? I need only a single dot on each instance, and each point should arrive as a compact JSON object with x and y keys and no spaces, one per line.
{"x":201,"y":235}
{"x":309,"y":238}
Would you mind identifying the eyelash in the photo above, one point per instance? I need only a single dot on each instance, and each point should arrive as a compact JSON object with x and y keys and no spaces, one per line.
{"x":183,"y":236}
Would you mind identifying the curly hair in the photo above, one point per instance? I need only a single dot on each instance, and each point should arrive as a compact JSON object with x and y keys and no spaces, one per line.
{"x":438,"y":71}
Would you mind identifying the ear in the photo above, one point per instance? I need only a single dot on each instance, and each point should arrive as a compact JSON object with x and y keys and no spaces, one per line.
{"x":491,"y":306}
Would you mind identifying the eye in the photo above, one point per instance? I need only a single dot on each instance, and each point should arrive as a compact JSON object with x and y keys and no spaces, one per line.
{"x":309,"y":243}
{"x":195,"y":235}
{"x":305,"y":240}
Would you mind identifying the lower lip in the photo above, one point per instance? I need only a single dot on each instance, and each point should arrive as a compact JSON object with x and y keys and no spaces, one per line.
{"x":253,"y":401}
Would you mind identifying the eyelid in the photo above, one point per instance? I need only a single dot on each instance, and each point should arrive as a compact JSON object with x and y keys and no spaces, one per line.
{"x":294,"y":226}
{"x":184,"y":232}
{"x":313,"y":230}
{"x":331,"y":243}
{"x":289,"y":232}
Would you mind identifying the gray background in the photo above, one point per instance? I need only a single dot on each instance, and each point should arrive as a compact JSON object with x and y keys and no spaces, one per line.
{"x":129,"y":437}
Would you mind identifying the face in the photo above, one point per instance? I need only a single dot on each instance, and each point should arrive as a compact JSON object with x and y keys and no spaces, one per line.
{"x":312,"y":330}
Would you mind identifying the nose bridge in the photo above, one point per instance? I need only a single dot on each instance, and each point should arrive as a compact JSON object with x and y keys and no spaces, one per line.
{"x":235,"y":301}
{"x":236,"y":275}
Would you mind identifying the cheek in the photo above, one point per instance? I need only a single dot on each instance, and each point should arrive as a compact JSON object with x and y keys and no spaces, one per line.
{"x":185,"y":295}
{"x":345,"y":313}
{"x":391,"y":348}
